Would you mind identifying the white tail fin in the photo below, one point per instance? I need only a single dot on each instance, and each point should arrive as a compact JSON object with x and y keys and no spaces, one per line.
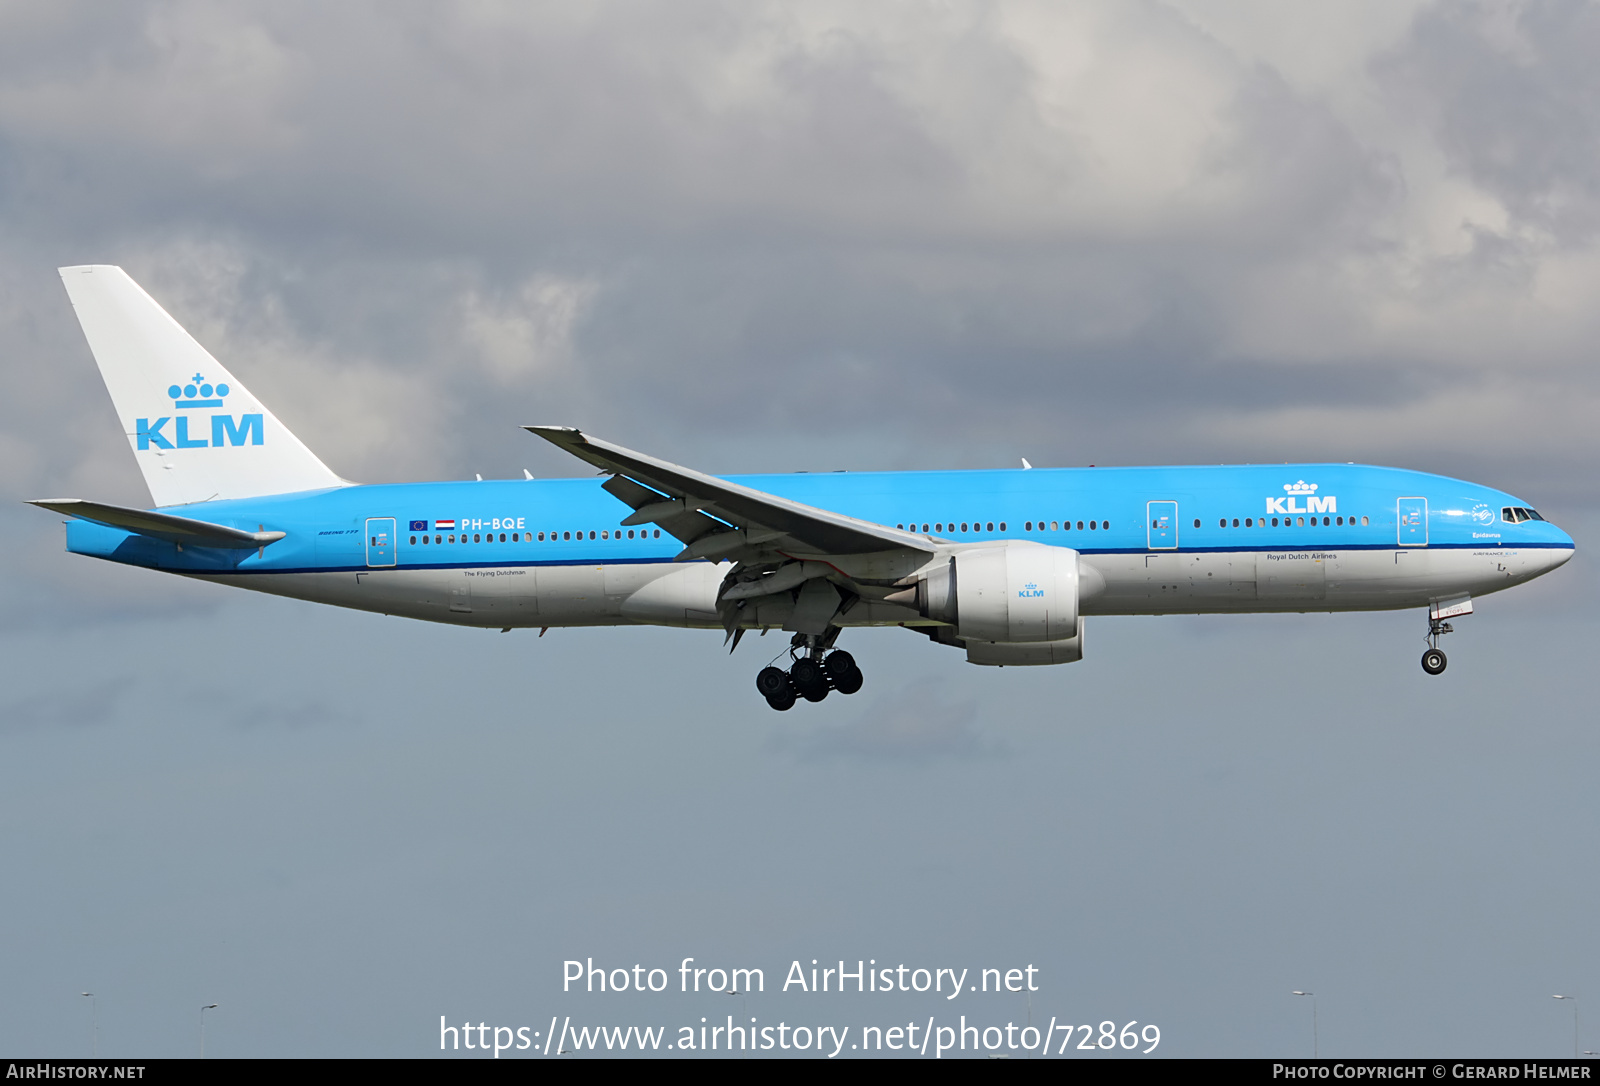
{"x":197,"y":433}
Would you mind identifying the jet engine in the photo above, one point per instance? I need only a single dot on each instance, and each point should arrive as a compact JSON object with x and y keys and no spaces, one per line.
{"x":1013,"y":592}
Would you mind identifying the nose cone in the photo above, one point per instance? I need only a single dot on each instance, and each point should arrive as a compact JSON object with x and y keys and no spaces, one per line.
{"x":1558,"y":547}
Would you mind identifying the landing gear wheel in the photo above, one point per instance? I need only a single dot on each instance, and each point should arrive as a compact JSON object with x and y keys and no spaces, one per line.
{"x":842,"y":669}
{"x":809,"y":679}
{"x":1434,"y":661}
{"x":783,"y":700}
{"x":773,"y":683}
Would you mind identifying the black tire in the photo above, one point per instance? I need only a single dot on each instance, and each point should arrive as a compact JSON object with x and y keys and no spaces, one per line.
{"x":809,"y":679}
{"x":849,"y":682}
{"x":782,"y":701}
{"x":1434,"y":661}
{"x":839,"y":664}
{"x":771,"y":683}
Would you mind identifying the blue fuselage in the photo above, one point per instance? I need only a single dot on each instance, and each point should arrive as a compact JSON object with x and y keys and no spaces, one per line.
{"x":1096,"y":511}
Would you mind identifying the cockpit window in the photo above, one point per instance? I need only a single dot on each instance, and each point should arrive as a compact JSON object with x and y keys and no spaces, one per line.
{"x":1516,"y":514}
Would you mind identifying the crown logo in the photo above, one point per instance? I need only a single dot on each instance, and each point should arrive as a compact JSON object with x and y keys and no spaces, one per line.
{"x":1302,"y":487}
{"x":197,"y":393}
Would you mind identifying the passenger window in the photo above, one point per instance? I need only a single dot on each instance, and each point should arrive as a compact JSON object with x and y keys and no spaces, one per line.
{"x":1363,"y":521}
{"x":990,"y":528}
{"x":1221,"y":523}
{"x":1247,"y":523}
{"x":1235,"y":522}
{"x":1080,"y":525}
{"x":1027,"y":526}
{"x":413,"y":541}
{"x":1091,"y":525}
{"x":1197,"y":522}
{"x":658,"y":533}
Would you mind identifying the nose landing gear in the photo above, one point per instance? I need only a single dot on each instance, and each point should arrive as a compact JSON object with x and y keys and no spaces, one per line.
{"x":811,"y":676}
{"x":1434,"y":660}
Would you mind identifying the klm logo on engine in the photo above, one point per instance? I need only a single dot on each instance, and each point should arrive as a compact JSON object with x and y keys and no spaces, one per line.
{"x":1296,"y":491}
{"x":198,"y":393}
{"x":1030,"y":591}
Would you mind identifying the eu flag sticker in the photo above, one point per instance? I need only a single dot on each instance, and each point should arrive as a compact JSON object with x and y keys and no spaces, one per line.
{"x":419,"y":526}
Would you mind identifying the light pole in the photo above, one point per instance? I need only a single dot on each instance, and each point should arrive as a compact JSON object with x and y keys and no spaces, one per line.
{"x":1574,"y":1022}
{"x":94,"y":1035}
{"x":1313,"y":996}
{"x":203,"y":1010}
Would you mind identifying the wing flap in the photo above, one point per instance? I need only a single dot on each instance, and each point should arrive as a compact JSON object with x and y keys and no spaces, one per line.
{"x":163,"y":526}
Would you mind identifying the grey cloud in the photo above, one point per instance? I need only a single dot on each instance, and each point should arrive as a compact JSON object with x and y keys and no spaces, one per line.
{"x":750,"y":236}
{"x":1513,"y":89}
{"x":922,"y":722}
{"x":72,"y":707}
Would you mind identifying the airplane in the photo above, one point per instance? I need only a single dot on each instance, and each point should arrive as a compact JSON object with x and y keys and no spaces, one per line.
{"x":1003,"y":565}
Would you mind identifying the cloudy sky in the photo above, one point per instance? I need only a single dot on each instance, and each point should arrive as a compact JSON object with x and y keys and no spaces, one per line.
{"x":804,"y":237}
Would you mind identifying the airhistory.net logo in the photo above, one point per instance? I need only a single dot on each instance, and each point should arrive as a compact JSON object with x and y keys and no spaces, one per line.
{"x":199,"y":393}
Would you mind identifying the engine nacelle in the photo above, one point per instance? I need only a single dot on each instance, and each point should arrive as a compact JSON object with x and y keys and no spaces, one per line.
{"x":1028,"y":654}
{"x":1014,"y":592}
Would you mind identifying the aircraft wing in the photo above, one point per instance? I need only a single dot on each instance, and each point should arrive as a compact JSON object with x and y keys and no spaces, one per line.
{"x":716,"y":518}
{"x":163,"y":526}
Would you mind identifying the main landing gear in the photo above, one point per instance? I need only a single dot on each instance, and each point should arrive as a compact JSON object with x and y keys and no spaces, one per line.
{"x":811,"y":675}
{"x":1434,"y":660}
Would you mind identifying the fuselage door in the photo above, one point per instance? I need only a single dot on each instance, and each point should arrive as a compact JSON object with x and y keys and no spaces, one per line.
{"x":380,"y":541}
{"x":1412,"y":517}
{"x":1161,"y":520}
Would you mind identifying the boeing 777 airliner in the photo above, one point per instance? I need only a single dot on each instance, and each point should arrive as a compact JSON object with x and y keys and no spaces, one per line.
{"x":1004,"y":565}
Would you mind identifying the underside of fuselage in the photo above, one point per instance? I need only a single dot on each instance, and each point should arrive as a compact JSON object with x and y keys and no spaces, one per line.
{"x":685,"y":595}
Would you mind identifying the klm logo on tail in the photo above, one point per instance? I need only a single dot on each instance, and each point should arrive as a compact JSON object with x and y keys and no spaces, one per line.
{"x":224,"y":430}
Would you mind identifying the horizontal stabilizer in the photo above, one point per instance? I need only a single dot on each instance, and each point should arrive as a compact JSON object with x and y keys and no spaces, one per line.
{"x":164,"y":526}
